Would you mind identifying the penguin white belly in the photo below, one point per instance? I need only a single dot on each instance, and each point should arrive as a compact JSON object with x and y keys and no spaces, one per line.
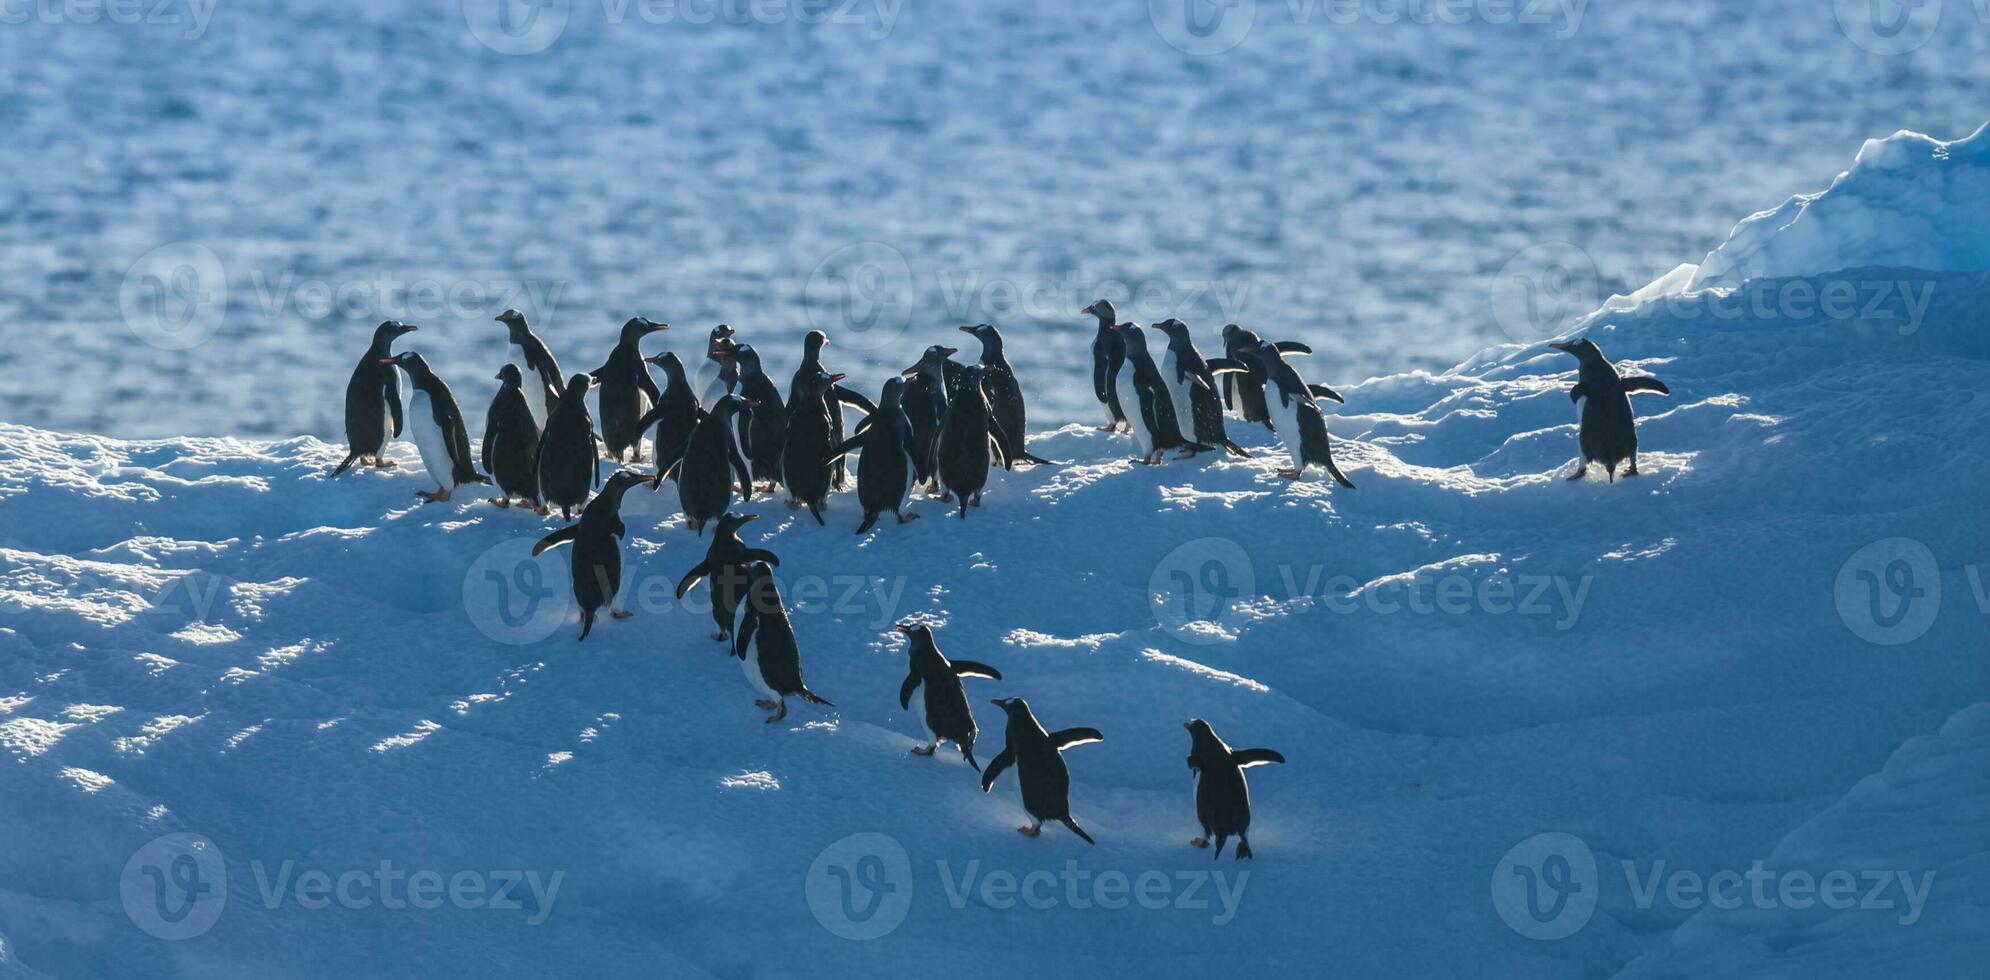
{"x":535,"y":389}
{"x":739,"y":443}
{"x":1178,"y":393}
{"x":905,"y":492}
{"x":1285,"y":418}
{"x":919,"y":708}
{"x":429,"y":439}
{"x":1129,"y":401}
{"x":708,"y":388}
{"x":750,"y":666}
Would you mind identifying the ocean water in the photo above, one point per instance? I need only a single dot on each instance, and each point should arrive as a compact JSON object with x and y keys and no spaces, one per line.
{"x":207,"y":211}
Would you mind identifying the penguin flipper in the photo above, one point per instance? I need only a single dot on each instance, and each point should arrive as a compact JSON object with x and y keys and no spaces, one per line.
{"x":698,"y":571}
{"x":1073,"y":737}
{"x":393,"y":387}
{"x":762,"y":554}
{"x":849,"y":397}
{"x":1002,"y":760}
{"x":557,"y":538}
{"x":972,"y":668}
{"x":1578,"y":393}
{"x":740,"y":470}
{"x":1246,"y":758}
{"x":1653,"y":385}
{"x":967,"y":752}
{"x":1322,"y":391}
{"x":905,"y":690}
{"x":1080,"y":831}
{"x":1291,"y":347}
{"x":1225,"y":365}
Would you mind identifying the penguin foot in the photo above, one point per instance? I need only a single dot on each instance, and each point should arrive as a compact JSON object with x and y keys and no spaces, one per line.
{"x":501,"y":501}
{"x":384,"y":463}
{"x":1198,"y":842}
{"x":1113,"y":427}
{"x":1030,"y":831}
{"x":763,"y":704}
{"x":1580,"y":472}
{"x":976,"y":502}
{"x":793,"y":504}
{"x":543,"y":511}
{"x":780,"y":712}
{"x":1291,"y":474}
{"x":947,"y":497}
{"x":907,"y":518}
{"x":721,"y":638}
{"x":926,"y":749}
{"x":1633,"y":471}
{"x":433,"y":496}
{"x":620,"y":613}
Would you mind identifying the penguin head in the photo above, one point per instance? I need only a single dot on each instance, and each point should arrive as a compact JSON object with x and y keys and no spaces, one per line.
{"x":620,"y":481}
{"x":813,"y":343}
{"x":722,"y":342}
{"x":932,"y":361}
{"x":1175,"y":330}
{"x":384,"y":334}
{"x":991,"y":340}
{"x":749,"y":360}
{"x":917,"y":631}
{"x":1231,"y":331}
{"x":1135,"y":340}
{"x":1013,"y":707}
{"x":576,"y":389}
{"x":893,"y":393}
{"x":672,"y":367}
{"x":509,"y":376}
{"x":1583,"y":350}
{"x":763,"y":594}
{"x":1202,"y":738}
{"x":1102,"y":309}
{"x":639,"y":327}
{"x":408,"y":361}
{"x":730,"y":522}
{"x":728,"y":406}
{"x":514,"y":323}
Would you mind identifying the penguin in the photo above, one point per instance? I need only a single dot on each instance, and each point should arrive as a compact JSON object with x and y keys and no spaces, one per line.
{"x":925,"y":402}
{"x":1608,"y":430}
{"x":725,"y":564}
{"x":932,"y":688}
{"x":627,"y":392}
{"x":373,"y":400}
{"x":768,"y":431}
{"x":438,"y":430}
{"x":1295,"y":415}
{"x":712,"y":459}
{"x":1222,"y":796}
{"x":1108,"y":351}
{"x":1150,"y":410}
{"x":888,"y":466}
{"x":834,"y":399}
{"x":717,"y":374}
{"x":969,"y":442}
{"x":809,"y":455}
{"x":1244,"y":393}
{"x":1005,"y":396}
{"x":1046,"y":783}
{"x":765,"y":645}
{"x":1192,"y":384}
{"x":511,"y":441}
{"x":674,"y":415}
{"x":568,"y":449}
{"x":536,"y":364}
{"x":597,"y":561}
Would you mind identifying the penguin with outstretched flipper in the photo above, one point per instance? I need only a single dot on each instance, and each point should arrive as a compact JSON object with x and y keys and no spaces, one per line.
{"x":597,"y":557}
{"x":1040,"y":770}
{"x":933,"y":690}
{"x":1608,"y":429}
{"x":766,"y":647}
{"x":1222,"y":796}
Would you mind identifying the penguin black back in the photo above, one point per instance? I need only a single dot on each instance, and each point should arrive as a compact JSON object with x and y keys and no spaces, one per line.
{"x":1608,"y":429}
{"x":511,"y":441}
{"x":711,"y":465}
{"x":1222,"y":796}
{"x":627,"y":391}
{"x":597,"y":556}
{"x":766,"y":645}
{"x":1005,"y":396}
{"x":1108,"y":350}
{"x":539,"y":370}
{"x":1040,"y":770}
{"x":767,"y":433}
{"x":674,"y":415}
{"x":968,"y":443}
{"x":373,"y":399}
{"x":925,"y":402}
{"x":933,"y":682}
{"x":887,"y":468}
{"x":568,"y":450}
{"x":725,"y":566}
{"x":809,"y":453}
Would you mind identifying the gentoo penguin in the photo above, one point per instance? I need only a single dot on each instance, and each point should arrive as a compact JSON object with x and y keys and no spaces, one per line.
{"x":1222,"y":797}
{"x":1244,"y":393}
{"x":627,"y":392}
{"x":568,"y":450}
{"x":1608,"y":432}
{"x":711,"y":462}
{"x":768,"y":430}
{"x":809,"y":455}
{"x":969,"y":442}
{"x":932,"y":689}
{"x":925,"y":402}
{"x":1040,"y":768}
{"x":833,"y":400}
{"x":511,"y":441}
{"x":1191,"y":385}
{"x":1150,"y":410}
{"x":1108,"y":350}
{"x":1005,"y":396}
{"x":717,"y":373}
{"x":436,"y":425}
{"x":725,"y":564}
{"x":1296,"y":416}
{"x":887,"y":467}
{"x":373,"y":400}
{"x":766,"y":646}
{"x":597,"y":563}
{"x":536,"y":364}
{"x":675,"y":413}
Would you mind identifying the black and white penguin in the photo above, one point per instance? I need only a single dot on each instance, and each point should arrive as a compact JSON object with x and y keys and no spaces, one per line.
{"x":511,"y":441}
{"x":1005,"y":396}
{"x":1222,"y":796}
{"x":373,"y":400}
{"x":536,"y":364}
{"x":887,"y":466}
{"x":674,"y":415}
{"x":1608,"y":430}
{"x":925,"y":401}
{"x":833,"y":400}
{"x":809,"y":455}
{"x":436,"y":425}
{"x":1108,"y":351}
{"x":597,"y":561}
{"x":725,"y":566}
{"x":1191,"y":385}
{"x":969,"y":443}
{"x":627,"y":392}
{"x":1150,"y":410}
{"x":568,"y":450}
{"x":712,"y":460}
{"x":766,"y":645}
{"x":1296,"y":416}
{"x":1040,"y":769}
{"x":767,"y":431}
{"x":717,"y":374}
{"x":932,"y":689}
{"x":1244,"y":393}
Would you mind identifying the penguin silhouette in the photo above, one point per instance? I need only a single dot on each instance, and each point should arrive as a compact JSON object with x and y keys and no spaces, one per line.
{"x":887,"y":467}
{"x":568,"y":450}
{"x":725,"y":565}
{"x":373,"y":400}
{"x":436,"y":423}
{"x":1244,"y":393}
{"x":597,"y":558}
{"x":1296,"y":416}
{"x":968,"y":444}
{"x":712,"y":460}
{"x":1222,"y":796}
{"x":511,"y":441}
{"x":933,"y":690}
{"x":536,"y":365}
{"x":1040,"y":770}
{"x":925,"y":402}
{"x":809,"y":455}
{"x":717,"y":372}
{"x":1608,"y":431}
{"x":1191,"y":383}
{"x":674,"y":415}
{"x":767,"y":430}
{"x":1150,"y":409}
{"x":1005,"y":397}
{"x":834,"y":399}
{"x":627,"y":391}
{"x":765,"y":645}
{"x":1108,"y":350}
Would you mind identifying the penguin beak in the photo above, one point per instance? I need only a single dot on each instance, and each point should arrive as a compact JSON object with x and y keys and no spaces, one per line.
{"x":1565,"y":347}
{"x":908,"y":372}
{"x":950,"y":351}
{"x":1248,"y":349}
{"x":835,"y":378}
{"x":749,"y":518}
{"x":749,"y":403}
{"x":386,"y":360}
{"x":825,"y":340}
{"x":965,"y":329}
{"x":1092,"y":310}
{"x":1188,"y":726}
{"x":902,"y":628}
{"x":408,"y":328}
{"x":499,"y":375}
{"x":655,"y":326}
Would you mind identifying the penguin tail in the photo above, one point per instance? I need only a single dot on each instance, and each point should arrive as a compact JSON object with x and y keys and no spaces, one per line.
{"x":1034,"y":458}
{"x":1235,"y":450}
{"x":963,"y":506}
{"x":1243,"y":847}
{"x":485,"y":480}
{"x":346,"y":465}
{"x":807,"y":695}
{"x":1217,"y":851}
{"x":815,"y":510}
{"x":967,"y":752}
{"x":586,"y":623}
{"x":1080,"y":831}
{"x":1338,"y":476}
{"x":870,"y":521}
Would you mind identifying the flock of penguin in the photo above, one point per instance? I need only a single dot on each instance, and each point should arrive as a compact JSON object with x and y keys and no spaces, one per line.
{"x":940,"y":425}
